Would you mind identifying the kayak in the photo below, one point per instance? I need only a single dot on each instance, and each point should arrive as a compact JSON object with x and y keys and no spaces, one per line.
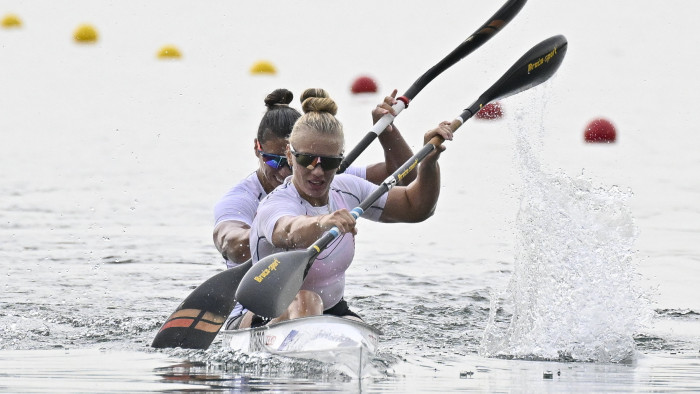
{"x":348,"y":344}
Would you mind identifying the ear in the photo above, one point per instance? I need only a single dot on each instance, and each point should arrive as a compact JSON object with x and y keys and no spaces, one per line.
{"x":256,"y":144}
{"x":288,"y":153}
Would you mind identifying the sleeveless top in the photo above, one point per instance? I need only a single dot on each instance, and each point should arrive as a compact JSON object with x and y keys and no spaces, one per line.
{"x":327,"y":274}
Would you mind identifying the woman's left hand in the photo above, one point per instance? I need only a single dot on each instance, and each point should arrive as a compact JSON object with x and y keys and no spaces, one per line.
{"x":444,"y":131}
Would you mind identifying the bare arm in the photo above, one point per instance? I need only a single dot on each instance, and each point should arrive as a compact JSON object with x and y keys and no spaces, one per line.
{"x":232,"y":240}
{"x":396,"y":150}
{"x":296,"y":232}
{"x":416,"y":202}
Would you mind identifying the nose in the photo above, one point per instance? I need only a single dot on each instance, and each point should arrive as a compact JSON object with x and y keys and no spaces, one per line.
{"x":318,"y":171}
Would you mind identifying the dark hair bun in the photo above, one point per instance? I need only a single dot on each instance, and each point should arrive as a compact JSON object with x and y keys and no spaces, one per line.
{"x":279,"y":97}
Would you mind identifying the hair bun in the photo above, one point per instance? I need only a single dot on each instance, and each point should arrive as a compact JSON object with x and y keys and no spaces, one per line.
{"x":279,"y":97}
{"x":318,"y":100}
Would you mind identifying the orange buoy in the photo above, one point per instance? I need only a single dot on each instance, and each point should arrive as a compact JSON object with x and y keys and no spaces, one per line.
{"x":169,"y":52}
{"x":263,"y":67}
{"x":85,"y":34}
{"x":11,"y":21}
{"x":490,"y":111}
{"x":364,"y":84}
{"x":600,"y":130}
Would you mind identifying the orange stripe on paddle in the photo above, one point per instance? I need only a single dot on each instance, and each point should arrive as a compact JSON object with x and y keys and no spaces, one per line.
{"x":177,"y":323}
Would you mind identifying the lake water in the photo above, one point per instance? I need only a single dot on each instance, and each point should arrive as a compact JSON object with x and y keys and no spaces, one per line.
{"x":545,"y":255}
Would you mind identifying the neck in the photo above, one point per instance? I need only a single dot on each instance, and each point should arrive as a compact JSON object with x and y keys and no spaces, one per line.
{"x":264,"y":182}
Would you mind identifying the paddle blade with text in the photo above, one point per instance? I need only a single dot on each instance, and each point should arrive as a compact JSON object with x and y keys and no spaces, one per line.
{"x":198,"y":319}
{"x":273,"y":282}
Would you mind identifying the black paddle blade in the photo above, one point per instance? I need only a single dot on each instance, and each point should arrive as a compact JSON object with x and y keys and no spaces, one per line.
{"x":198,"y":319}
{"x":271,"y":285}
{"x":534,"y":67}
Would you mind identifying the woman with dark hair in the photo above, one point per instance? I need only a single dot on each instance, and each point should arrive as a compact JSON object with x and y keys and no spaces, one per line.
{"x":315,"y":199}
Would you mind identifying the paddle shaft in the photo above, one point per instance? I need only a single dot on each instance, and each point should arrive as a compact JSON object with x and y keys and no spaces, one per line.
{"x":501,"y":18}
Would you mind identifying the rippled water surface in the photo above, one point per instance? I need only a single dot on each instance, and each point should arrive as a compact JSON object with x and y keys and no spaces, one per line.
{"x":550,"y":265}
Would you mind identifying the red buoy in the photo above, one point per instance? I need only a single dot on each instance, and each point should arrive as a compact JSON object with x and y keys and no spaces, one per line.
{"x":364,"y":84}
{"x":600,"y":130}
{"x":490,"y":111}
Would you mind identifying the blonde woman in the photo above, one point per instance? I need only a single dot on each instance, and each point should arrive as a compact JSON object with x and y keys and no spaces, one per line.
{"x":234,"y":213}
{"x":314,"y":199}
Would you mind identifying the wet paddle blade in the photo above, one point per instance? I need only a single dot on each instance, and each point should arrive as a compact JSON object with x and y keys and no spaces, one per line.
{"x":273,"y":282}
{"x":534,"y":67}
{"x":198,"y":319}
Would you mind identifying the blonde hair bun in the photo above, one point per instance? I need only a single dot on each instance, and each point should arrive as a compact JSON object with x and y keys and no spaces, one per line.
{"x":318,"y":100}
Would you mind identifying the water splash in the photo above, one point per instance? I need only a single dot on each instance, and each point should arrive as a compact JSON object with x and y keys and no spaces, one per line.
{"x":573,"y":294}
{"x":219,"y":360}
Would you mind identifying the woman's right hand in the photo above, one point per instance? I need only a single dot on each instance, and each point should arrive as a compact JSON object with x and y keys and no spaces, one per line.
{"x":342,"y":219}
{"x":385,"y":107}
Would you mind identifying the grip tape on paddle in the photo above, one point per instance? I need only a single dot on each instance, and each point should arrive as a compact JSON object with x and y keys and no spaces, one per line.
{"x":357,"y":212}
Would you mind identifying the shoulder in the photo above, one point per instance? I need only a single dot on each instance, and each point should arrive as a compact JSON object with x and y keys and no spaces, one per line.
{"x":352,"y":189}
{"x":248,"y":187}
{"x":252,"y":185}
{"x":240,"y":202}
{"x":284,"y":194}
{"x":283,"y":201}
{"x":360,"y":172}
{"x":345,"y":181}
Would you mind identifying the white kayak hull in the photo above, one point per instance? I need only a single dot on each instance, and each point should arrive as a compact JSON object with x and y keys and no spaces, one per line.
{"x":344,"y":342}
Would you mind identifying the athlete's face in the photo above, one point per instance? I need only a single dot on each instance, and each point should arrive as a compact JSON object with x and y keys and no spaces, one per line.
{"x":311,"y":180}
{"x":272,"y":163}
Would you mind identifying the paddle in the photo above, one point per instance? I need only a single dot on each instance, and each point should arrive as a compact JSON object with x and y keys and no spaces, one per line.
{"x":489,"y":29}
{"x":198,"y":319}
{"x":213,"y":300}
{"x":270,"y":286}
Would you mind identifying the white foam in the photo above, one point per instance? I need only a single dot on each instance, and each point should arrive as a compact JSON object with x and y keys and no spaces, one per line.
{"x":573,"y":294}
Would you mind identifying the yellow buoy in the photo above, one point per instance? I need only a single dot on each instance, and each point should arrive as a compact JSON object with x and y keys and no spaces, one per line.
{"x":85,"y":34}
{"x":263,"y":67}
{"x":169,"y":52}
{"x":11,"y":21}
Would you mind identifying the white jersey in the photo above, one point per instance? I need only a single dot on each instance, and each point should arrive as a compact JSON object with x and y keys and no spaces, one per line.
{"x":241,"y":202}
{"x":327,"y":275}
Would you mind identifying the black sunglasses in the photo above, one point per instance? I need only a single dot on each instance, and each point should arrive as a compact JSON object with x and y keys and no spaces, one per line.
{"x":311,"y":161}
{"x":274,"y":161}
